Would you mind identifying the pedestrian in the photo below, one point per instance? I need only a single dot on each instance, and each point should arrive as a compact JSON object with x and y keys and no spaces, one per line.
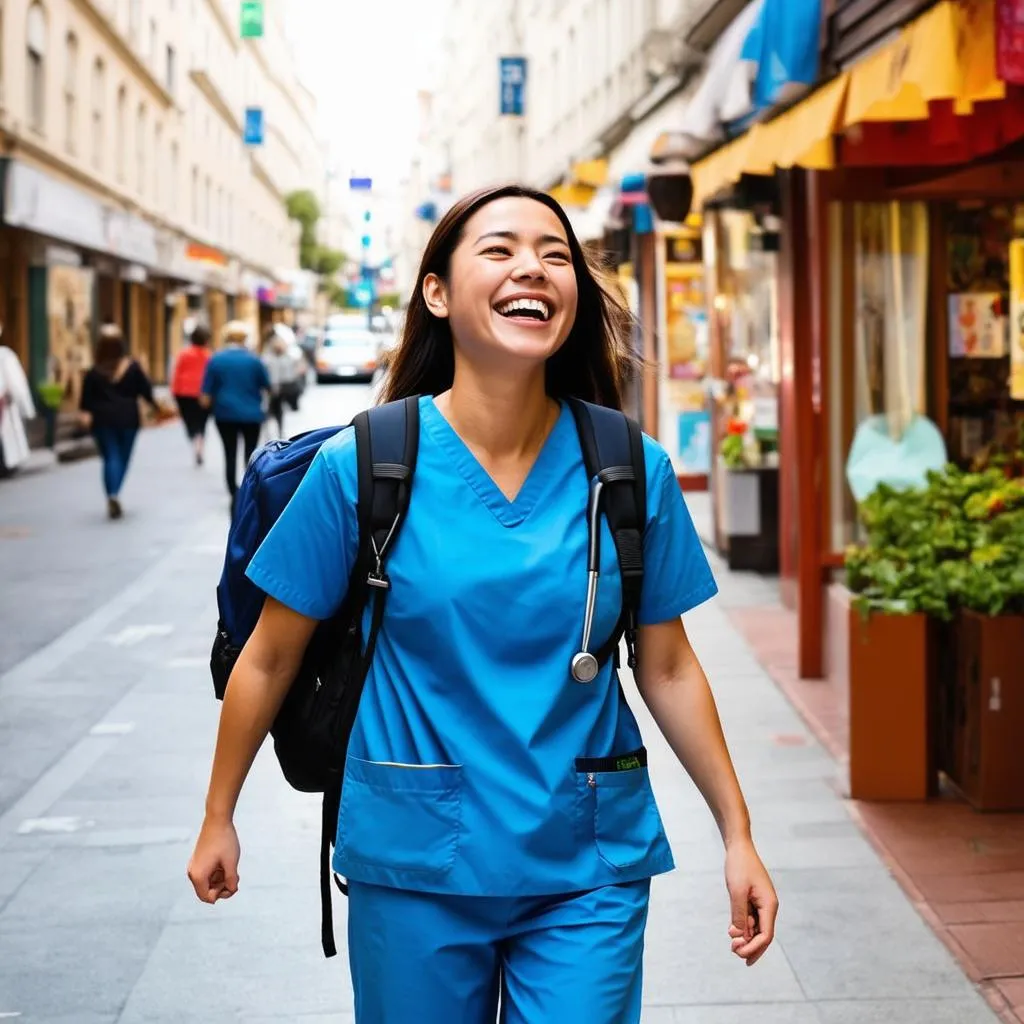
{"x":234,"y":386}
{"x":497,"y":826}
{"x":283,"y":370}
{"x":187,"y":388}
{"x":111,"y":390}
{"x":16,"y":406}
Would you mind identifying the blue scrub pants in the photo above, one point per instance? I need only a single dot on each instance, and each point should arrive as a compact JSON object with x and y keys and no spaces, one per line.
{"x":439,"y":959}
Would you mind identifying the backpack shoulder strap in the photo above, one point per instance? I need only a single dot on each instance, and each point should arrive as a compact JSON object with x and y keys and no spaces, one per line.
{"x":613,"y":451}
{"x":387,"y":441}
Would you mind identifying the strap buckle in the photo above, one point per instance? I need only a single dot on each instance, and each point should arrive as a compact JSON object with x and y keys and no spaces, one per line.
{"x":379,"y":579}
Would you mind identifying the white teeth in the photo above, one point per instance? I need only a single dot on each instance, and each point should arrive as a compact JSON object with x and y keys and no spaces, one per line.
{"x":534,"y":304}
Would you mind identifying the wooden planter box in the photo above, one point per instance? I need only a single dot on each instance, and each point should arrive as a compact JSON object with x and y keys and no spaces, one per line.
{"x":891,"y":662}
{"x":989,"y":726}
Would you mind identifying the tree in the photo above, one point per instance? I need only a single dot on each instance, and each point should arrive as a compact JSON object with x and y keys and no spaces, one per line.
{"x":304,"y":207}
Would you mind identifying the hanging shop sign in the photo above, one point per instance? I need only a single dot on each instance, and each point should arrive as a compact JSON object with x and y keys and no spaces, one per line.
{"x":1017,"y":319}
{"x":252,"y":19}
{"x":512,"y":84}
{"x":254,"y":128}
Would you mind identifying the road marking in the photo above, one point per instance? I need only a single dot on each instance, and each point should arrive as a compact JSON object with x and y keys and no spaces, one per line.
{"x":9,"y":1014}
{"x":132,"y":635}
{"x":50,"y":825}
{"x":112,"y":729}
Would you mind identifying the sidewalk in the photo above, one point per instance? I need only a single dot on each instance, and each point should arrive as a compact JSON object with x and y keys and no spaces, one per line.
{"x":98,"y":924}
{"x":963,"y":872}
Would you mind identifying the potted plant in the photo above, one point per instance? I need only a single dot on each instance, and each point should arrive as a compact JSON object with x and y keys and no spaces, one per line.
{"x":50,"y":395}
{"x":898,"y":596}
{"x":987,"y":588}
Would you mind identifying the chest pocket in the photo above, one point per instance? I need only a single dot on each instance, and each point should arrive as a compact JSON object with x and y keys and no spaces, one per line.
{"x":617,"y":808}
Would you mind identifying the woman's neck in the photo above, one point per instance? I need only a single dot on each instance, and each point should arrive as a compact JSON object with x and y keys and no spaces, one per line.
{"x":504,"y":418}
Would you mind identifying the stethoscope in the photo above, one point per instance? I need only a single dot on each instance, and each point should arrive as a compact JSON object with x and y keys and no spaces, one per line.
{"x":584,"y":665}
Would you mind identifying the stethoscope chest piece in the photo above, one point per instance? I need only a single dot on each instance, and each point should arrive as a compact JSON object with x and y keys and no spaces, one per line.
{"x":584,"y":667}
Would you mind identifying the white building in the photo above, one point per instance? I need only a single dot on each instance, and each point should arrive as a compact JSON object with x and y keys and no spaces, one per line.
{"x":129,"y":193}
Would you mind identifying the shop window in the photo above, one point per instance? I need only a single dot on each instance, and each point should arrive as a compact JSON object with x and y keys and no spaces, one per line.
{"x":70,"y":87}
{"x":878,"y":344}
{"x":98,"y":86}
{"x":36,"y":54}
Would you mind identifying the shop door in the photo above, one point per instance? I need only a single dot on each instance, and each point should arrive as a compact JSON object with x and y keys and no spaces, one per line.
{"x":38,"y":327}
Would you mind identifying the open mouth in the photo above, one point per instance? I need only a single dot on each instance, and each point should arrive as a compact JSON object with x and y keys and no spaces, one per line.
{"x":525,"y":309}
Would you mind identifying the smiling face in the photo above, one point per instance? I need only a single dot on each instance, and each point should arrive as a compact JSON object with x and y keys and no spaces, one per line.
{"x":511,"y":287}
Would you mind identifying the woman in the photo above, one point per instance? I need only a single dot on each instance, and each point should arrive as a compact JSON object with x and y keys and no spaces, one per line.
{"x":234,"y":386}
{"x":187,"y":387}
{"x":110,"y":408}
{"x":484,"y":861}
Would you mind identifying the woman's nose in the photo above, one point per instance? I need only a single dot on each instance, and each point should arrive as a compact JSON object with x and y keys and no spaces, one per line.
{"x":530,"y":265}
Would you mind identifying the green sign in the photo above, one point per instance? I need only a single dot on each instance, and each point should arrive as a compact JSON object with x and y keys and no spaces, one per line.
{"x":252,"y":19}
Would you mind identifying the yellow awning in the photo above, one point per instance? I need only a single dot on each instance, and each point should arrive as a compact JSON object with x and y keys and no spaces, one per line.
{"x":801,"y":137}
{"x":926,"y":62}
{"x":590,"y":172}
{"x":570,"y":194}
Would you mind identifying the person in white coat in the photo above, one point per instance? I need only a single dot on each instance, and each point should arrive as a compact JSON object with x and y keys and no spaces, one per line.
{"x":16,"y":405}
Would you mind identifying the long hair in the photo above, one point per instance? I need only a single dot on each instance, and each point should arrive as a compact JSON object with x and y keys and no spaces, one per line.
{"x":594,"y":362}
{"x":110,"y":349}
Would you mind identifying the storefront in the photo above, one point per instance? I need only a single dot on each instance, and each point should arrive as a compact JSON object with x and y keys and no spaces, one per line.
{"x":901,"y":253}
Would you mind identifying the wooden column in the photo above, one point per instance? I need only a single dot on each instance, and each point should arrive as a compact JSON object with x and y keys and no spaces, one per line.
{"x":647,"y":273}
{"x":803,"y":332}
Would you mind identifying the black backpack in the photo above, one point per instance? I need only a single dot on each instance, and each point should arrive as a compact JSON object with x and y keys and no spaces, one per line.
{"x":312,"y":729}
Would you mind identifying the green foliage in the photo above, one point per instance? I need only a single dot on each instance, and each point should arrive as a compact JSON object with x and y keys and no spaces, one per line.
{"x":732,"y":452}
{"x":956,"y":543}
{"x":304,"y":207}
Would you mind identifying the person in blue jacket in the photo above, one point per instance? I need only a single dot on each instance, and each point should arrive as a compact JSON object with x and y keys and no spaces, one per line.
{"x":497,"y":824}
{"x":235,"y":385}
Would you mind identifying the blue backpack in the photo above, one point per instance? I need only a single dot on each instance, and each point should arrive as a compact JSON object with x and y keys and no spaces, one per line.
{"x":312,"y":728}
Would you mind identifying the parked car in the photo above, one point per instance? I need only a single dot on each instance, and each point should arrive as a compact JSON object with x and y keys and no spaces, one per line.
{"x":348,"y":351}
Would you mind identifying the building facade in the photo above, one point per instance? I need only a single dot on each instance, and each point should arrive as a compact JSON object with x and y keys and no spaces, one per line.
{"x":128,"y":191}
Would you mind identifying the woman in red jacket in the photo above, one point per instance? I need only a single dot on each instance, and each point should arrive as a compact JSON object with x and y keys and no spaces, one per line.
{"x":187,"y":386}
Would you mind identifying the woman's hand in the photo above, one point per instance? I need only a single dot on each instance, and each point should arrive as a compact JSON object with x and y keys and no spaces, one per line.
{"x":754,"y":903}
{"x":85,"y":420}
{"x":213,"y":869}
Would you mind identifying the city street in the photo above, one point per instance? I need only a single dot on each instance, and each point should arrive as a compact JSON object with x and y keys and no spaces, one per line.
{"x":107,"y":720}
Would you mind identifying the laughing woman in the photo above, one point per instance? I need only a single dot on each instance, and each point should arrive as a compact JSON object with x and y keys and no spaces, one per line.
{"x":497,"y":826}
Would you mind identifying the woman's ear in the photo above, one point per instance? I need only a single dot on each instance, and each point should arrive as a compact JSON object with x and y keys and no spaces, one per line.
{"x":435,"y":296}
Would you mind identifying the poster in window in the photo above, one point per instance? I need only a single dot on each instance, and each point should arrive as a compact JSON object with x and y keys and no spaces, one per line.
{"x":977,"y":325}
{"x":1017,"y":319}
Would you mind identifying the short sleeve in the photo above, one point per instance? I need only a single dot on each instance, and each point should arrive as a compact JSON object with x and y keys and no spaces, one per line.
{"x":307,"y":557}
{"x":677,"y":576}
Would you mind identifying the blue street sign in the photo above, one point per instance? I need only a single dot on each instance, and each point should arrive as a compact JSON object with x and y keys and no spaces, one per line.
{"x":360,"y":184}
{"x":512,"y":83}
{"x":253,"y":126}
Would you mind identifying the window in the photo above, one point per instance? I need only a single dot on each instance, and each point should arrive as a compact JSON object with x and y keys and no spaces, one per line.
{"x":158,"y":145}
{"x":97,"y":114}
{"x":140,"y":150}
{"x":120,"y":154}
{"x":154,"y":49}
{"x":172,"y":196}
{"x":36,"y":51}
{"x":70,"y":85}
{"x":170,"y":70}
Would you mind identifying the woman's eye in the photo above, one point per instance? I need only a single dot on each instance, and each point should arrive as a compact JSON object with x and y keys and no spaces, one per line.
{"x":562,"y":257}
{"x":502,"y":250}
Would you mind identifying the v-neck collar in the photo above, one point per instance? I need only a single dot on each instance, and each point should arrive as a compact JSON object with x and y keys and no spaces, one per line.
{"x":508,"y":513}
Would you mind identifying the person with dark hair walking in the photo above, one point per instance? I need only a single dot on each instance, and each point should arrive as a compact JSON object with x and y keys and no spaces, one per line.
{"x":235,"y":384}
{"x":497,"y":825}
{"x":109,"y":407}
{"x":187,"y":387}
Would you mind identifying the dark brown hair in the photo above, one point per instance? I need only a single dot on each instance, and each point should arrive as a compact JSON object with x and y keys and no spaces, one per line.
{"x":593,"y":363}
{"x":110,"y":349}
{"x":200,"y":336}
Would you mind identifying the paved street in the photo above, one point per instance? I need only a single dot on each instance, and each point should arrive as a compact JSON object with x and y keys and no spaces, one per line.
{"x":107,"y":721}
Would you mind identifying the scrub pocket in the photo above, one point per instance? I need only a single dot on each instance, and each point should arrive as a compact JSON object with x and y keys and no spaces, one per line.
{"x":617,"y":807}
{"x":398,"y":816}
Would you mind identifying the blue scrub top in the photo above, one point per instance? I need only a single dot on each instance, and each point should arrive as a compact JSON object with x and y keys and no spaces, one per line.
{"x":235,"y":379}
{"x":462,"y":775}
